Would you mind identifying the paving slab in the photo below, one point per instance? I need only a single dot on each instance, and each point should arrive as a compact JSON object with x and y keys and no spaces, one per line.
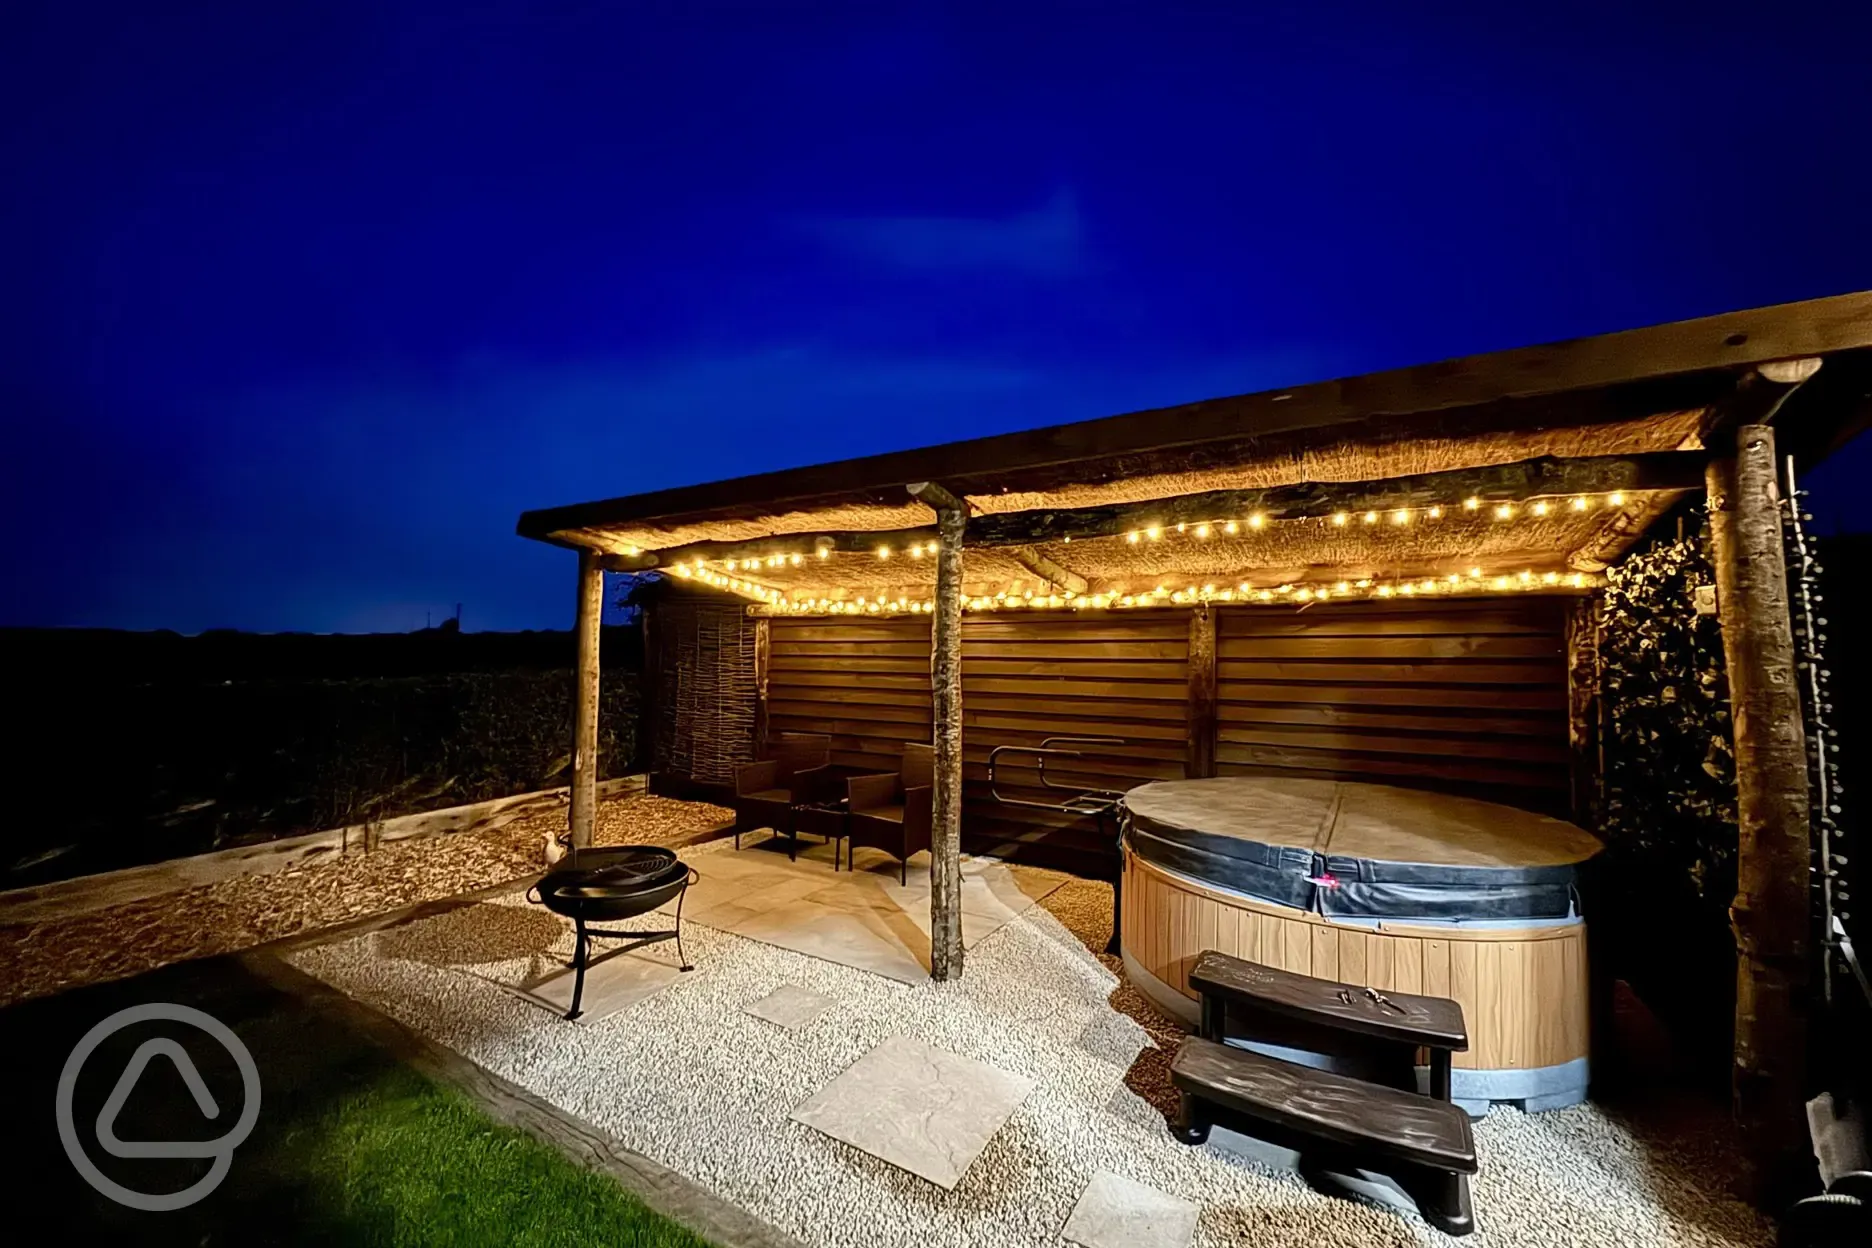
{"x":917,"y":1107}
{"x":1117,"y":1212}
{"x":790,"y":1006}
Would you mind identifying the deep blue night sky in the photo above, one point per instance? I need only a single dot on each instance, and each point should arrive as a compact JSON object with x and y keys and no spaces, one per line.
{"x":302,"y":304}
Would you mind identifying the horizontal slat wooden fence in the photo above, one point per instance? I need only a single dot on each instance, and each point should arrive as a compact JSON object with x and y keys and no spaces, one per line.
{"x":1024,"y":679}
{"x":1465,"y":696}
{"x":866,"y":684}
{"x":1469,"y":697}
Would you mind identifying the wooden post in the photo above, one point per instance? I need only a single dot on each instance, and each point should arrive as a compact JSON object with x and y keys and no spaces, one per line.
{"x":763,"y":657}
{"x":1200,"y":762}
{"x":585,"y":701}
{"x":946,"y":710}
{"x":1770,"y":913}
{"x":1582,"y":659}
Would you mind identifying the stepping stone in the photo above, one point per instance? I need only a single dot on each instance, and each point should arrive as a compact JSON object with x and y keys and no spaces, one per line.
{"x":1116,"y":1212}
{"x":919,"y":1108}
{"x":790,"y":1006}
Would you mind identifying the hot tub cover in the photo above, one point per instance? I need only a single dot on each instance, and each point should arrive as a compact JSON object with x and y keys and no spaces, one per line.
{"x":1360,"y":850}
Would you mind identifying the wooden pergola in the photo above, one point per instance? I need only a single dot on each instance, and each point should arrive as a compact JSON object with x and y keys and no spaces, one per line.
{"x":1520,"y":471}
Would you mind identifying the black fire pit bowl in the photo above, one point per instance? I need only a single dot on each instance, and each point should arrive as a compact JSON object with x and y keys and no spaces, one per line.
{"x":610,"y":884}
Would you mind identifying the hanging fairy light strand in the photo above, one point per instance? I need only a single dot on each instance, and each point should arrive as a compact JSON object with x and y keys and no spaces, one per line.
{"x":1474,"y":581}
{"x":1539,"y":508}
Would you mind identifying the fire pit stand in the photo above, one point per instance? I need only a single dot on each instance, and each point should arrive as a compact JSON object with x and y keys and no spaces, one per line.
{"x":610,"y":884}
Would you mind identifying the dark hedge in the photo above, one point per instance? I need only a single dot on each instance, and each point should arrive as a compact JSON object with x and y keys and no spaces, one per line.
{"x":1669,"y":872}
{"x":116,"y":771}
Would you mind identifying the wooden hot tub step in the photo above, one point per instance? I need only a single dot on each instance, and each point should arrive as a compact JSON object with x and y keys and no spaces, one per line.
{"x":1334,"y":1121}
{"x":1381,"y":1032}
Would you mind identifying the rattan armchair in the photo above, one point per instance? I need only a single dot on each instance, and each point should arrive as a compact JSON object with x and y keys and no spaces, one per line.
{"x":893,"y":812}
{"x":796,"y":769}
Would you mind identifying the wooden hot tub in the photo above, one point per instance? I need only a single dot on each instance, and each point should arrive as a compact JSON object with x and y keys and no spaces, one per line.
{"x":1373,"y":885}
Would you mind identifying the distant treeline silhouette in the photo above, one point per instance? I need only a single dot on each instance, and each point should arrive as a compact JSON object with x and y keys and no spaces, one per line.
{"x":131,"y":748}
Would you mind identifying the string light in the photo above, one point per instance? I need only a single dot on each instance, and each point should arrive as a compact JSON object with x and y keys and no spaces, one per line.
{"x":1205,"y":529}
{"x":1453,"y":583}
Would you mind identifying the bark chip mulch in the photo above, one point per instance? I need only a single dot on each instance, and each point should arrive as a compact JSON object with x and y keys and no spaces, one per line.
{"x":37,"y":959}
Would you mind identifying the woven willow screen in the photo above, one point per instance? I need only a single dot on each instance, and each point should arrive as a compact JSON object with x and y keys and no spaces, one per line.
{"x":705,"y":694}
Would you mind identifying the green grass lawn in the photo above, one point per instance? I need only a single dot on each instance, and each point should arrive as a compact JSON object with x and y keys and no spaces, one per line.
{"x":353,"y":1144}
{"x":403,"y":1160}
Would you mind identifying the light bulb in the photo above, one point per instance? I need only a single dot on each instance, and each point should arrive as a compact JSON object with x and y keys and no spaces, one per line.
{"x":1257,"y":520}
{"x":1339,"y":518}
{"x":1231,"y":528}
{"x":1615,"y":499}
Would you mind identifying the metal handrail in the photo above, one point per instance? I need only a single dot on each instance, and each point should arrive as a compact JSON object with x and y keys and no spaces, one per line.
{"x":1049,"y":748}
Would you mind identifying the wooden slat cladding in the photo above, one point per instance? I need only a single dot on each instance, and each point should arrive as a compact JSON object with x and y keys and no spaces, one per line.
{"x":1032,"y":677}
{"x":1463,"y":696}
{"x":866,"y":685}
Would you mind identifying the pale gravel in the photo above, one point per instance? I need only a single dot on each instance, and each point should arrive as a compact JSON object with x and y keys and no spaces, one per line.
{"x":689,"y":1079}
{"x":37,"y":959}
